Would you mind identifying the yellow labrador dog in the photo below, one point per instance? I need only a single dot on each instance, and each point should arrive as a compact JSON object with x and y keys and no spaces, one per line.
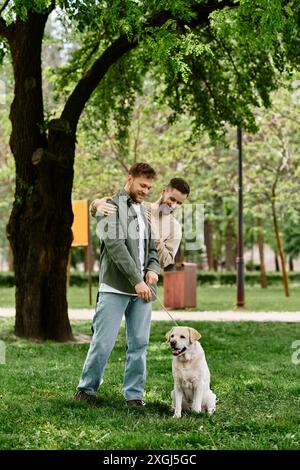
{"x":191,"y":373}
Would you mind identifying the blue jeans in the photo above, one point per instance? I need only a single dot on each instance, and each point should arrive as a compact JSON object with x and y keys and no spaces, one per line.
{"x":106,"y":324}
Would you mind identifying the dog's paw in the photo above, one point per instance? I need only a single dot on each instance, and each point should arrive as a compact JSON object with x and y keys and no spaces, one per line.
{"x":177,"y":415}
{"x":196,"y":409}
{"x":211,"y":411}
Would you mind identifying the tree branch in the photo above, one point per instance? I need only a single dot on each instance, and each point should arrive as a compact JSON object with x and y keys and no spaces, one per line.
{"x":91,"y":79}
{"x":4,"y":6}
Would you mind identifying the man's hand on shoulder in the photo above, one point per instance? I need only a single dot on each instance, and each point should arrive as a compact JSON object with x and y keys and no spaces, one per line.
{"x":101,"y":205}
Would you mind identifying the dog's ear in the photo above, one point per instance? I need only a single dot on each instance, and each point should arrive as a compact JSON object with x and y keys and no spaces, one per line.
{"x":194,"y":335}
{"x":168,"y":334}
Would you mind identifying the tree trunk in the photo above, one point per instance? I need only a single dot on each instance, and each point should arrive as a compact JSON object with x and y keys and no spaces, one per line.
{"x":216,"y":264}
{"x":39,"y":226}
{"x":260,"y":242}
{"x":10,"y":260}
{"x":277,"y":268}
{"x":208,"y":237}
{"x":291,"y":264}
{"x":88,"y":258}
{"x":230,"y":248}
{"x":280,"y":250}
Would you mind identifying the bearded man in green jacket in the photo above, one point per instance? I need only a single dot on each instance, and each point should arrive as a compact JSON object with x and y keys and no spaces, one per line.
{"x":128,"y":267}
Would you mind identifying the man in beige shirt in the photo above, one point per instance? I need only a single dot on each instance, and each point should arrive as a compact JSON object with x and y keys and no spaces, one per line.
{"x":166,"y":229}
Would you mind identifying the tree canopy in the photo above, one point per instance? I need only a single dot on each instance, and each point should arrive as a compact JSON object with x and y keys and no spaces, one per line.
{"x":215,"y":70}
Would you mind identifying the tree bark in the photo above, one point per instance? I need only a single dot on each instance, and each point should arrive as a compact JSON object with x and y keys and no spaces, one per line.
{"x":39,"y":226}
{"x":260,"y":242}
{"x":291,"y":264}
{"x":10,"y":260}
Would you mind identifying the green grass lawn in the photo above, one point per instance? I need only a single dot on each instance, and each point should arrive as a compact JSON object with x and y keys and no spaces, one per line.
{"x":255,"y":381}
{"x":208,"y":298}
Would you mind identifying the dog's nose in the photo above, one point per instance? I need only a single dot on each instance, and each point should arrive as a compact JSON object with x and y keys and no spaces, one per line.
{"x":172,"y":343}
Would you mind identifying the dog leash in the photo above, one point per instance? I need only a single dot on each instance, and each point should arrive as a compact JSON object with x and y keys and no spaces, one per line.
{"x":160,"y":302}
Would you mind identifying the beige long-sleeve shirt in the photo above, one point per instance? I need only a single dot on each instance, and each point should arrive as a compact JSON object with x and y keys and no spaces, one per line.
{"x":167,"y":233}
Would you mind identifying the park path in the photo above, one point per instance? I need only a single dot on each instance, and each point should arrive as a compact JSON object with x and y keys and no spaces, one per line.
{"x":285,"y":317}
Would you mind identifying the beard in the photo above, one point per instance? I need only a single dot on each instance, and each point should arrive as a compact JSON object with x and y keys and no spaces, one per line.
{"x":136,"y":196}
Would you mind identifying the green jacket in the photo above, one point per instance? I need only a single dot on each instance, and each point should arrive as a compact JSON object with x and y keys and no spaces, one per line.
{"x":119,"y":246}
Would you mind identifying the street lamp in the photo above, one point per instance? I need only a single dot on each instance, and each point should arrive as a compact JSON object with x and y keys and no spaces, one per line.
{"x":240,"y":243}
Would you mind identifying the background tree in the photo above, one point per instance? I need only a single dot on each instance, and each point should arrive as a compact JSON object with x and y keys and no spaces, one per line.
{"x":210,"y":169}
{"x":273,"y":162}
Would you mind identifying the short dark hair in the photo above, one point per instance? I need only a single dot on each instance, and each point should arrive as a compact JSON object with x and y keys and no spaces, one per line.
{"x":139,"y":169}
{"x":180,"y":184}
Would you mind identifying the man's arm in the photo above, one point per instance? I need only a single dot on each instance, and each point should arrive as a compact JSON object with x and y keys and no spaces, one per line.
{"x":167,"y":249}
{"x":108,"y":229}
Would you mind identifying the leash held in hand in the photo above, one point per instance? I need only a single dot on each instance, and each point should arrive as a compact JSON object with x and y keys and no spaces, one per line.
{"x":164,"y":308}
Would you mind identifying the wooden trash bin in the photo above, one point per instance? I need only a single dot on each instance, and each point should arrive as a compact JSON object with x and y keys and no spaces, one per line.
{"x":180,"y":287}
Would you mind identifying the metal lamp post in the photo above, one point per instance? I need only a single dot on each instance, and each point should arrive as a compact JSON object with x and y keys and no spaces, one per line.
{"x":240,"y":243}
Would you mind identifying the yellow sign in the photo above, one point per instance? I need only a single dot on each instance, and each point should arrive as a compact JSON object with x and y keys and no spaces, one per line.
{"x":80,"y":227}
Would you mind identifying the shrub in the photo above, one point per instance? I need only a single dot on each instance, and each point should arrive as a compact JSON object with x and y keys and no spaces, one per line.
{"x":203,"y":278}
